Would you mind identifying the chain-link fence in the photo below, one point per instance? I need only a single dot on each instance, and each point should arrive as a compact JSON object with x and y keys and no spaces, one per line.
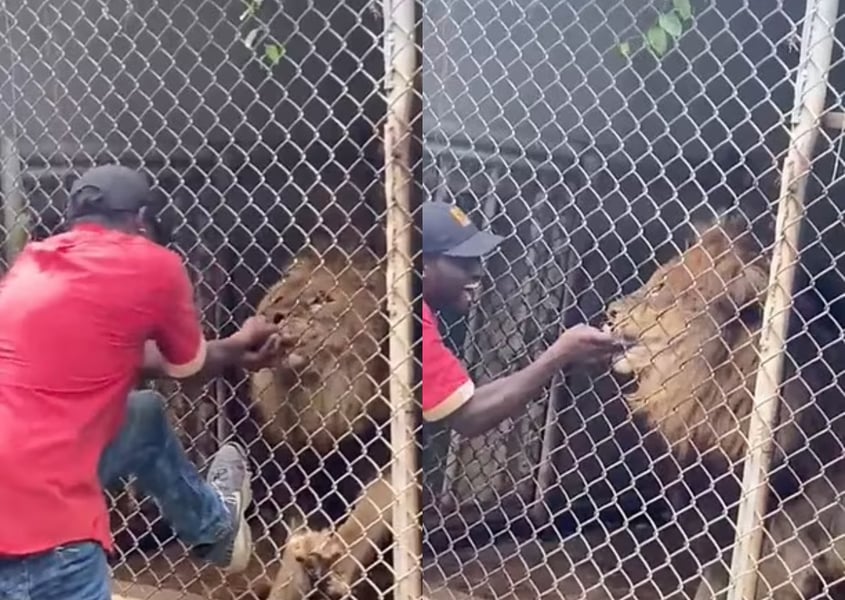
{"x":260,"y":123}
{"x":601,"y":139}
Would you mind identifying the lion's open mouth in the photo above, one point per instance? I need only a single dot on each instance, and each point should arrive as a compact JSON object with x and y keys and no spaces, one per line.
{"x":628,"y":344}
{"x":622,"y":364}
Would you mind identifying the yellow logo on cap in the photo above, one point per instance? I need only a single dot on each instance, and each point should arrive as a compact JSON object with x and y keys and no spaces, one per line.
{"x":459,"y":216}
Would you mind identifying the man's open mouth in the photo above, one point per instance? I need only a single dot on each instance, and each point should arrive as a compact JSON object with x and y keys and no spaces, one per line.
{"x":471,"y":290}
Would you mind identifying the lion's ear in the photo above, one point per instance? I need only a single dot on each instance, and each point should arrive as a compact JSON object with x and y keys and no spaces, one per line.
{"x":748,"y":286}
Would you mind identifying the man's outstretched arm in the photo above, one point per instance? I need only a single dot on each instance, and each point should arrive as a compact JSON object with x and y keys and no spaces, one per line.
{"x":497,"y":400}
{"x":253,"y":347}
{"x":449,"y":394}
{"x":178,"y":348}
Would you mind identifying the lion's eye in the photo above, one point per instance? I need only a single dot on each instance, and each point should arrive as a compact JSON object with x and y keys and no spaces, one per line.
{"x":656,"y":290}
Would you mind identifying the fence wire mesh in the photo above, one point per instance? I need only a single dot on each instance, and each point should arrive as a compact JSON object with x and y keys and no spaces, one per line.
{"x":603,"y":140}
{"x":260,"y":124}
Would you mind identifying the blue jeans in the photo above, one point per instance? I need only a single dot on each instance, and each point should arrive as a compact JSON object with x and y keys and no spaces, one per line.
{"x":146,"y":447}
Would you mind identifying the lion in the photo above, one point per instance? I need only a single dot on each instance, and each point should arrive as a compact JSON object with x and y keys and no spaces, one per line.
{"x":693,"y":331}
{"x":328,"y":383}
{"x":328,"y":390}
{"x":328,"y":564}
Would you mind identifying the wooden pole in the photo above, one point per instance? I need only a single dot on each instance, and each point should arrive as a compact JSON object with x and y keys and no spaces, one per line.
{"x":810,"y":91}
{"x":400,"y":70}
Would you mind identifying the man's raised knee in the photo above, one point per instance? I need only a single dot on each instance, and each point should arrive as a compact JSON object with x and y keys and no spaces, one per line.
{"x":145,"y":408}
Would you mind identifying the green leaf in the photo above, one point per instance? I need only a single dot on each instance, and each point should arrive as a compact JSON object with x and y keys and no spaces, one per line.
{"x":683,"y":8}
{"x":625,"y":49}
{"x":273,"y":53}
{"x":657,"y":39}
{"x":671,"y":24}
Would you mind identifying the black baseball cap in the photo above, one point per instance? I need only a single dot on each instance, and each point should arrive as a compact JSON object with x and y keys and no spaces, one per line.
{"x":447,"y":231}
{"x":111,"y":189}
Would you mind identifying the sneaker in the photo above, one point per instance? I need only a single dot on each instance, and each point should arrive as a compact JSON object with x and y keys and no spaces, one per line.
{"x":230,"y":477}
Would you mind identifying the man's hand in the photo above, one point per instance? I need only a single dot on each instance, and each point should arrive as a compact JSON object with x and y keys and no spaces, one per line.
{"x":583,"y":344}
{"x":258,"y":340}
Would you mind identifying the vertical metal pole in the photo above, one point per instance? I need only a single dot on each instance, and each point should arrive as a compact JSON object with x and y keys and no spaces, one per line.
{"x":401,"y":66}
{"x":811,"y":87}
{"x":14,"y":209}
{"x":14,"y":203}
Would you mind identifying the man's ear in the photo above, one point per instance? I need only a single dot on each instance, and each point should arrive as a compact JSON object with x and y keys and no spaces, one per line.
{"x":149,"y":225}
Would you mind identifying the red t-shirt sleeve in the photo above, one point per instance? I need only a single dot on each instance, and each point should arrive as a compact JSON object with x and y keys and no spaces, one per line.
{"x":178,"y":332}
{"x":446,"y":384}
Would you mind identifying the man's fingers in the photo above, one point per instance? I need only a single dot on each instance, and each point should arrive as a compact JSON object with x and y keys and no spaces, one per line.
{"x":270,"y":345}
{"x":604,"y":349}
{"x":263,"y":356}
{"x":258,"y":330}
{"x":265,"y":327}
{"x":605,"y":345}
{"x":268,"y":331}
{"x":609,"y":340}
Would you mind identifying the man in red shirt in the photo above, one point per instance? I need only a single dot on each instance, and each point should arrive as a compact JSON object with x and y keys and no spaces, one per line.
{"x":453,"y":248}
{"x":81,"y":315}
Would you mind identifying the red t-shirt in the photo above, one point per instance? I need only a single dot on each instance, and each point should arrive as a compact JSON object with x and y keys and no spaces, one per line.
{"x":446,"y":384}
{"x":75,"y":313}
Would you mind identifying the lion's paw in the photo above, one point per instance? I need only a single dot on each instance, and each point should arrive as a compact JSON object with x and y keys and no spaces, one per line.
{"x":308,"y":568}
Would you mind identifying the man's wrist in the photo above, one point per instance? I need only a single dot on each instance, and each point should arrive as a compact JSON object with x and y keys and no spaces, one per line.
{"x":557,"y":358}
{"x":230,"y":350}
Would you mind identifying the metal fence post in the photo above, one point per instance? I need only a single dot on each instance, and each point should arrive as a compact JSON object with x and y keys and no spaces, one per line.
{"x":816,"y":49}
{"x":401,"y":59}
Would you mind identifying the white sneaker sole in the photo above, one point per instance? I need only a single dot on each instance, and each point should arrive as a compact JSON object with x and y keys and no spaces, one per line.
{"x":242,"y":548}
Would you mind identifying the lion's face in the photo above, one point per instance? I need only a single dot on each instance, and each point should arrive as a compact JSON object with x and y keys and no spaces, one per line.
{"x":323,"y":311}
{"x":325,"y":383}
{"x":692,"y":329}
{"x":306,"y":319}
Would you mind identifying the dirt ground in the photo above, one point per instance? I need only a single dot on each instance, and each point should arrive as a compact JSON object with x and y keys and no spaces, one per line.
{"x":593,"y":565}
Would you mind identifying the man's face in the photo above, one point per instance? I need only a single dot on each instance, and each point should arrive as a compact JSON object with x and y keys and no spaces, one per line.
{"x":451,"y":283}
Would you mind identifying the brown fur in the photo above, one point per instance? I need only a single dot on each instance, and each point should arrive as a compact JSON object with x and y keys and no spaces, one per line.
{"x":682,"y":318}
{"x":328,"y":383}
{"x":328,"y":388}
{"x":696,"y":323}
{"x":328,"y":564}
